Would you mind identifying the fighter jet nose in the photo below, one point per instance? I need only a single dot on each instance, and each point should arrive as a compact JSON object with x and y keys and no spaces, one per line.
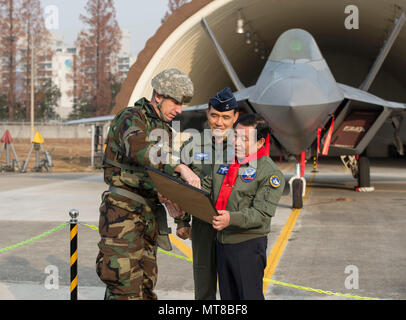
{"x":296,"y":74}
{"x":296,"y":44}
{"x":296,"y":90}
{"x":296,"y":106}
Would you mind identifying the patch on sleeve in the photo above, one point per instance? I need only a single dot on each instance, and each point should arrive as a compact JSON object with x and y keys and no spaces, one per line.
{"x":275,"y":181}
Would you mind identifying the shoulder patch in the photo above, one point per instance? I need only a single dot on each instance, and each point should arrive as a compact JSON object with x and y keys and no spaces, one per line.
{"x":275,"y":181}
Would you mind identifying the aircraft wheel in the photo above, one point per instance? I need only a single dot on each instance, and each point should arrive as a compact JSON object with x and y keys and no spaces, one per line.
{"x":297,"y":193}
{"x":364,"y":179}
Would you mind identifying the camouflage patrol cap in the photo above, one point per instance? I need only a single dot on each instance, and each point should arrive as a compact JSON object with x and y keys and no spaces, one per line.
{"x":173,"y":83}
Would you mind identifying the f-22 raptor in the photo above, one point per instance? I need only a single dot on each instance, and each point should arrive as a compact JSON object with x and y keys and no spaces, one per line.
{"x":308,"y":111}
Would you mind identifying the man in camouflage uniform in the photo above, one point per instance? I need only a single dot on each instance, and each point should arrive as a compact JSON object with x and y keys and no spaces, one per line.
{"x":128,"y":224}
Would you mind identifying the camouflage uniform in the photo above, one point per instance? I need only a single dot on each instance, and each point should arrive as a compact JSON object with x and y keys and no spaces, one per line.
{"x":126,"y":262}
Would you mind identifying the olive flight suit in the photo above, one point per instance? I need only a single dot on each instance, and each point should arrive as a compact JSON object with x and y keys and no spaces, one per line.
{"x":201,"y":153}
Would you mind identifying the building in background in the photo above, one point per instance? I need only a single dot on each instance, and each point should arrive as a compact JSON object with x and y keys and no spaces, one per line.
{"x":61,"y":65}
{"x":125,"y":58}
{"x":59,"y":70}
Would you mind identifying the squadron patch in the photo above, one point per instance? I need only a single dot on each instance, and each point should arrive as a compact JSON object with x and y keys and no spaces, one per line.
{"x":249,"y":175}
{"x":275,"y":181}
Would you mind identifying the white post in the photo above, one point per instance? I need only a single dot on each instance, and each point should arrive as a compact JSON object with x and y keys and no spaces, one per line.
{"x":92,"y":154}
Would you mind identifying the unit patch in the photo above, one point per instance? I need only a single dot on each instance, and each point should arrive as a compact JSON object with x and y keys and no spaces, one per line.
{"x":249,"y":174}
{"x":275,"y":181}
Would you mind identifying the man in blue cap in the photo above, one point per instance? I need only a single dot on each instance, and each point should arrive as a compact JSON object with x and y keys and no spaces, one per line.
{"x":215,"y":146}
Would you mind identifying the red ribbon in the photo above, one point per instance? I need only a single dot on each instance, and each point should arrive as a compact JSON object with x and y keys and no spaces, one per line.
{"x":267,"y":145}
{"x":231,"y":178}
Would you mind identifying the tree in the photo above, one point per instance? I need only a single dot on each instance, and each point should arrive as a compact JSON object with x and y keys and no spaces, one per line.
{"x":97,"y":47}
{"x":173,"y":5}
{"x":10,"y":26}
{"x":35,"y":41}
{"x":47,"y":98}
{"x":3,"y":107}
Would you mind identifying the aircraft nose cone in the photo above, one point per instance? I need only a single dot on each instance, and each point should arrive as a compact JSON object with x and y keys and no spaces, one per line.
{"x":295,"y":127}
{"x":296,"y":100}
{"x":293,"y":92}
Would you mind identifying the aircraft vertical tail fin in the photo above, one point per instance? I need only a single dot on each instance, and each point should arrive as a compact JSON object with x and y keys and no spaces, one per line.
{"x":224,"y":60}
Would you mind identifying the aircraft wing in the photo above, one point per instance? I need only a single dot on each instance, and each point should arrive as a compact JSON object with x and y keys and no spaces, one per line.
{"x":351,"y":93}
{"x":90,"y":120}
{"x":241,"y":96}
{"x":359,"y":125}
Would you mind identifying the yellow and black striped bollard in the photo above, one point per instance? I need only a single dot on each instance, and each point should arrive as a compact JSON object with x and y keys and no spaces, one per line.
{"x":74,"y":254}
{"x":315,"y":165}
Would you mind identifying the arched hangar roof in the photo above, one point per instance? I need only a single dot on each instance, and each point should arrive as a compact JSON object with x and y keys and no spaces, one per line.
{"x":182,"y":43}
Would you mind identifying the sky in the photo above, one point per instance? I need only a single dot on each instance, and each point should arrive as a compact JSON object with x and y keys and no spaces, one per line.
{"x":142,"y":17}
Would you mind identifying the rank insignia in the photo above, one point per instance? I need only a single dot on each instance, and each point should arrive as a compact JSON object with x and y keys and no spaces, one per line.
{"x":222,"y":170}
{"x":202,"y":156}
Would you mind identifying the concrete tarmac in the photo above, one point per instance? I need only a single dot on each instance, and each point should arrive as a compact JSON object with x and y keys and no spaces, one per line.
{"x":342,"y":241}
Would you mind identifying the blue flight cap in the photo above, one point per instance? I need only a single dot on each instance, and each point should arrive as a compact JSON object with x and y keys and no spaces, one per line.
{"x":224,"y":101}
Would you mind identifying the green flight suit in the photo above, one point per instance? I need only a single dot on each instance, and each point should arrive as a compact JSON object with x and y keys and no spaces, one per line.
{"x":241,"y":246}
{"x":253,"y":200}
{"x":201,"y":153}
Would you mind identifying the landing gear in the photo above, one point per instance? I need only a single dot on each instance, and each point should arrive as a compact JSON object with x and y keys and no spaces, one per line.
{"x":364,"y":179}
{"x":298,"y":184}
{"x":360,"y":169}
{"x":297,"y":194}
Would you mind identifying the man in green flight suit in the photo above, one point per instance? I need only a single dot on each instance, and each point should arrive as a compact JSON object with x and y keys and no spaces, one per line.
{"x":201,"y":153}
{"x":247,"y":192}
{"x":130,"y":212}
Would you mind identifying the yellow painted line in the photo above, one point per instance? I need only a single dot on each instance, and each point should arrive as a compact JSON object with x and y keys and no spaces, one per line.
{"x":187,"y":251}
{"x":283,"y":238}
